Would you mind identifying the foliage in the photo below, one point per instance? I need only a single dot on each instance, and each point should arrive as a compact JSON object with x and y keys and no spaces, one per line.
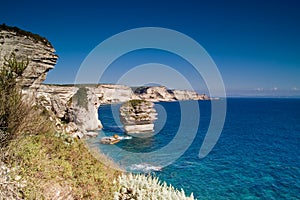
{"x":45,"y":163}
{"x":80,"y":98}
{"x":12,"y":109}
{"x":136,"y":102}
{"x":51,"y":165}
{"x":21,"y":32}
{"x":139,"y":186}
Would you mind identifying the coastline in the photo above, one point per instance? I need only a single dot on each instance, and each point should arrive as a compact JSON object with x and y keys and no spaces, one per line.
{"x":134,"y":185}
{"x":102,"y":158}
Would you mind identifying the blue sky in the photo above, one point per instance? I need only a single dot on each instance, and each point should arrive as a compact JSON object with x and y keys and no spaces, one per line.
{"x":255,"y":44}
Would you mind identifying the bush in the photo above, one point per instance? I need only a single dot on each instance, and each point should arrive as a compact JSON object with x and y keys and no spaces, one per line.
{"x":80,"y":98}
{"x":12,"y":110}
{"x":16,"y":116}
{"x":138,"y":187}
{"x":42,"y":163}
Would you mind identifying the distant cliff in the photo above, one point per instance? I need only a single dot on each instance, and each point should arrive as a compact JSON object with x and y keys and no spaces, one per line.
{"x":74,"y":108}
{"x":161,"y":93}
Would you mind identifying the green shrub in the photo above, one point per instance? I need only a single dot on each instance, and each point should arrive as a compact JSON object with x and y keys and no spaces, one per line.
{"x":46,"y":163}
{"x":80,"y":98}
{"x":135,"y":102}
{"x":12,"y":109}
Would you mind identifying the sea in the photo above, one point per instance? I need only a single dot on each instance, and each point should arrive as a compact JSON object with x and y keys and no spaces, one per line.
{"x":257,"y":155}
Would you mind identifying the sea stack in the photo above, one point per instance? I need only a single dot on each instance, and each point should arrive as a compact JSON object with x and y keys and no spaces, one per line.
{"x":137,"y":116}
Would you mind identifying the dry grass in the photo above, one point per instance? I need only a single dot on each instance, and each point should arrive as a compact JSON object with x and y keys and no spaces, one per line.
{"x":46,"y":164}
{"x":55,"y":168}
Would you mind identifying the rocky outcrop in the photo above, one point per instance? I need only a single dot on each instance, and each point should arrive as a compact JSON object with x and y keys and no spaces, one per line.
{"x":154,"y":94}
{"x":83,"y":110}
{"x":74,"y":108}
{"x":182,"y":95}
{"x":137,"y":116}
{"x":27,"y":46}
{"x":110,"y":93}
{"x":161,"y":93}
{"x":62,"y":102}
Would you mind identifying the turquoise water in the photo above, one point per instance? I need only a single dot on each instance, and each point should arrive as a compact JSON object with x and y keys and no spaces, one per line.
{"x":256,"y":157}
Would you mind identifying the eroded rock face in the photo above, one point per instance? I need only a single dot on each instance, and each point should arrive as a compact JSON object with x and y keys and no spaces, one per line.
{"x":83,"y":110}
{"x":109,"y":93}
{"x":60,"y":101}
{"x":75,"y":109}
{"x":138,"y":116}
{"x":154,"y":94}
{"x":182,"y":95}
{"x":56,"y":99}
{"x":70,"y":117}
{"x":39,"y":52}
{"x":161,"y":93}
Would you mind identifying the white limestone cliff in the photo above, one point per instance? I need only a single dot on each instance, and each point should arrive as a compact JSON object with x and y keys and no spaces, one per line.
{"x":64,"y":102}
{"x":29,"y":46}
{"x":110,"y":93}
{"x":161,"y":93}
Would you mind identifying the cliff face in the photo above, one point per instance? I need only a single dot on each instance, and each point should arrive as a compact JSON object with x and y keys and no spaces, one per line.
{"x":57,"y":100}
{"x":74,"y":108}
{"x":161,"y":93}
{"x":62,"y":102}
{"x":109,"y":93}
{"x":37,"y":50}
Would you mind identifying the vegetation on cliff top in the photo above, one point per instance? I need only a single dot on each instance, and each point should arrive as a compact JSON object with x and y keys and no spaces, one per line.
{"x":136,"y":102}
{"x":80,"y":98}
{"x":21,"y":32}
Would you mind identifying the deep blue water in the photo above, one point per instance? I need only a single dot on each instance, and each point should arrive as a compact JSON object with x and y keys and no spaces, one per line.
{"x":256,"y":157}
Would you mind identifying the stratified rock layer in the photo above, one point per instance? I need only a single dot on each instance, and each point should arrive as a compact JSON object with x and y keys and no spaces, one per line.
{"x":161,"y":93}
{"x":39,"y":52}
{"x":74,"y":108}
{"x":137,"y":116}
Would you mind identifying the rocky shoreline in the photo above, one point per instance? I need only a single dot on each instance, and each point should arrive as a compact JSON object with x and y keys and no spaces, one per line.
{"x":79,"y":120}
{"x":50,"y":164}
{"x":73,"y":108}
